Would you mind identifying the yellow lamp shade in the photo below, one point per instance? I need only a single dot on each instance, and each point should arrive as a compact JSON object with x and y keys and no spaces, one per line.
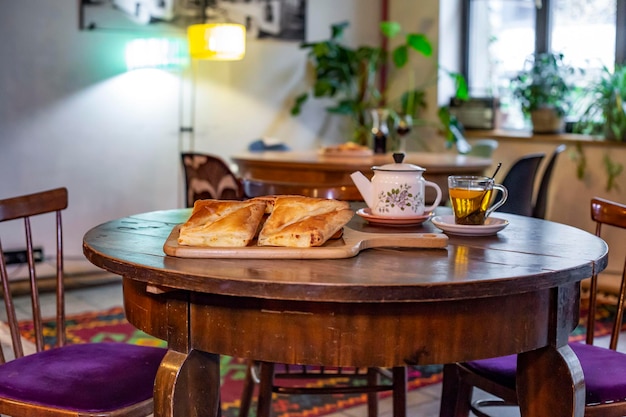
{"x":217,"y":41}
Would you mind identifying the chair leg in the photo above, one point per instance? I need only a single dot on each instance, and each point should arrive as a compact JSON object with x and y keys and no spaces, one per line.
{"x":456,"y":396}
{"x":248,"y":391}
{"x":399,"y":391}
{"x":264,"y":406}
{"x":373,"y":378}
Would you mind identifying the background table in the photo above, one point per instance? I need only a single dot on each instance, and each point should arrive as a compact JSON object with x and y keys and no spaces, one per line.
{"x":517,"y":292}
{"x":312,"y":167}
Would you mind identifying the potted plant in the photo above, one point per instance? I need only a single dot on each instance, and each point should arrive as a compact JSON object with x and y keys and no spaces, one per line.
{"x":605,"y":115}
{"x":543,"y":88}
{"x":349,"y":76}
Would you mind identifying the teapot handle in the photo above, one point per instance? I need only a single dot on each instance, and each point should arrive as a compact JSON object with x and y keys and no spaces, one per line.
{"x":437,"y":199}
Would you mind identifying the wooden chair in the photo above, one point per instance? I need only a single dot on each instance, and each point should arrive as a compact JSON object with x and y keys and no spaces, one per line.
{"x":520,"y":181}
{"x":541,"y":200}
{"x":269,"y":376}
{"x":92,"y":379}
{"x":208,"y":176}
{"x":254,"y":188}
{"x":604,"y":369}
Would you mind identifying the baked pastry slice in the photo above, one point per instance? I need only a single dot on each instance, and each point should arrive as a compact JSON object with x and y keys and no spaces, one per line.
{"x":303,"y":221}
{"x":222,"y":223}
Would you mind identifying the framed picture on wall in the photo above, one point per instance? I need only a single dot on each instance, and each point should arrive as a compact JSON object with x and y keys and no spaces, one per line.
{"x":278,"y":19}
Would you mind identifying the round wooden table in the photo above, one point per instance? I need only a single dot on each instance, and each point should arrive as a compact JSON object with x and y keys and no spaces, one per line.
{"x":515,"y":292}
{"x":314,"y":168}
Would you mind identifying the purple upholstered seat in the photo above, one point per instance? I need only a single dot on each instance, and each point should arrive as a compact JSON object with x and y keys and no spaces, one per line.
{"x":604,"y":371}
{"x":98,"y":371}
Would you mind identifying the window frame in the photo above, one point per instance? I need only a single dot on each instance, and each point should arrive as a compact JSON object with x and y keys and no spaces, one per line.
{"x":543,"y":33}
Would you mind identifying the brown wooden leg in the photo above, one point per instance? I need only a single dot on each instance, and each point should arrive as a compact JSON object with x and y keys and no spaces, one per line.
{"x":248,"y":391}
{"x":456,"y":395}
{"x":373,"y":378}
{"x":264,"y":406}
{"x":550,"y":383}
{"x":399,"y":391}
{"x":188,"y":385}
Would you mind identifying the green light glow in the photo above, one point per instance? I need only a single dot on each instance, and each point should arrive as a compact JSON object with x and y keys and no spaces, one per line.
{"x":159,"y":53}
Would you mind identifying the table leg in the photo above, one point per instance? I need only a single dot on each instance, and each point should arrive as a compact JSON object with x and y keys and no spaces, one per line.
{"x":550,"y":383}
{"x":400,"y":387}
{"x":188,"y":385}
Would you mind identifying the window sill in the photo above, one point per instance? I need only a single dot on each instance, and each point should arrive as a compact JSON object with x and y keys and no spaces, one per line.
{"x":519,"y":135}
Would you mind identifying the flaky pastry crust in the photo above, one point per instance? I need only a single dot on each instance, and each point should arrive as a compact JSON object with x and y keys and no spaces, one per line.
{"x":291,"y":221}
{"x":222,"y":223}
{"x":303,"y":221}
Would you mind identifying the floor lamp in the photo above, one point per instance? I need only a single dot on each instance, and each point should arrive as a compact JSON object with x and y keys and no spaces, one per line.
{"x":206,"y":41}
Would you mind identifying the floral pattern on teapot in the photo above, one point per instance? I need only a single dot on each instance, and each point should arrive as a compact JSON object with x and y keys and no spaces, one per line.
{"x":400,"y":197}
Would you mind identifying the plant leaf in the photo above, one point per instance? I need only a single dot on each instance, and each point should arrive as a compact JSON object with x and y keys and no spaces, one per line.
{"x":322,"y":88}
{"x":461,"y":86}
{"x":401,"y":56}
{"x":390,"y":29}
{"x":337,"y":30}
{"x":420,"y":43}
{"x":297,"y":106}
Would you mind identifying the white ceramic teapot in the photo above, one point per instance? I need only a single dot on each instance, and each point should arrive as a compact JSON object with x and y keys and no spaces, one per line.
{"x":396,"y":190}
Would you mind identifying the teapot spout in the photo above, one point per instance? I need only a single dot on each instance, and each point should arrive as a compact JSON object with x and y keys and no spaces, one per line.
{"x":364,"y":186}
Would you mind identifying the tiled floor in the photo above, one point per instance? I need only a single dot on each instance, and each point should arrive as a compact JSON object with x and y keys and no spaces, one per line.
{"x":421,"y":403}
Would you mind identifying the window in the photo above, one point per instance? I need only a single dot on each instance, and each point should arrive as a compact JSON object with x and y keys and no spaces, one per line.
{"x":502,"y":34}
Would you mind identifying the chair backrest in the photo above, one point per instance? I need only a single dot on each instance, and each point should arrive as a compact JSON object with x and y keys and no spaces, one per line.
{"x":541,"y":200}
{"x":208,"y":176}
{"x":255,"y":188}
{"x":606,"y":212}
{"x":520,"y":181}
{"x":23,"y":208}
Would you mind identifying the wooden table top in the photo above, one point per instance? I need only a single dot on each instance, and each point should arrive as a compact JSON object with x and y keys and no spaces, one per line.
{"x":528,"y":254}
{"x":447,"y":163}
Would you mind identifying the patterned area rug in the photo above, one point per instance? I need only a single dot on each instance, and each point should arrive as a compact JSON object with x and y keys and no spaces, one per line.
{"x":110,"y":325}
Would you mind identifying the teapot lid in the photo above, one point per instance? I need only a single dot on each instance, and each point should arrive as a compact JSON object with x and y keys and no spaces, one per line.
{"x":399,"y":165}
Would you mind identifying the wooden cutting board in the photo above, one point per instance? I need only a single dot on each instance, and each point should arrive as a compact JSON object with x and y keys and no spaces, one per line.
{"x":349,"y":245}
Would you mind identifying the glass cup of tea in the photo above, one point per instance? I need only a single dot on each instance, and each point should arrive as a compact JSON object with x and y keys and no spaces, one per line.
{"x":471,"y":198}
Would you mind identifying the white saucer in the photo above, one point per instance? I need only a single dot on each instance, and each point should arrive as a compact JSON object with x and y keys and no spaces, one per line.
{"x":492,"y":226}
{"x":366,"y":213}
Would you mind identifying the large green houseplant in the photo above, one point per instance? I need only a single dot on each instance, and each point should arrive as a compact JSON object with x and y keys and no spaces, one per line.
{"x":606,"y":115}
{"x":349,"y":76}
{"x":543,"y":89}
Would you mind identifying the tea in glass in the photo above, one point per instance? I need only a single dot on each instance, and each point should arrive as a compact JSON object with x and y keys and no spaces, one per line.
{"x":470,"y":206}
{"x":471,"y":198}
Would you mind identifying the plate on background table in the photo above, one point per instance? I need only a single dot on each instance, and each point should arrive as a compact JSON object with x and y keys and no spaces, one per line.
{"x":366,"y":213}
{"x":492,"y":226}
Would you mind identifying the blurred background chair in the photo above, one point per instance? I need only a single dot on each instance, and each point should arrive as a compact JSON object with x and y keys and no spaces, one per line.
{"x":371,"y":381}
{"x":520,"y":181}
{"x":91,"y":379}
{"x":541,"y":199}
{"x":604,"y":369}
{"x":254,"y":188}
{"x":208,"y":176}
